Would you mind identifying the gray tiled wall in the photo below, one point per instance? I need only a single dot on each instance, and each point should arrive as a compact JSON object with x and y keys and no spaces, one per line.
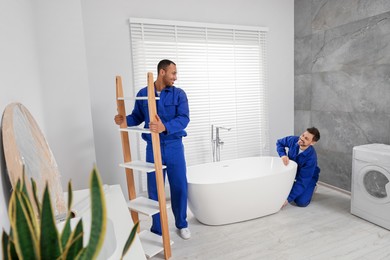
{"x":342,"y":79}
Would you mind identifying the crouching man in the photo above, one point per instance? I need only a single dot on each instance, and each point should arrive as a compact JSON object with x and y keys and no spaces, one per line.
{"x":301,"y":151}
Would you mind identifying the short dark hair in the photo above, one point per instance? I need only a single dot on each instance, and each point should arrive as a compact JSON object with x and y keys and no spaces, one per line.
{"x":314,"y":131}
{"x":163,"y":64}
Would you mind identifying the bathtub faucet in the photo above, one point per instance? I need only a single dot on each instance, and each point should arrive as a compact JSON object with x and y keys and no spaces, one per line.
{"x":216,"y":143}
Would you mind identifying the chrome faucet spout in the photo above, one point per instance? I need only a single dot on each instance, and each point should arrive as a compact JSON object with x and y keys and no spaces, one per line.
{"x":224,"y":128}
{"x":216,"y":143}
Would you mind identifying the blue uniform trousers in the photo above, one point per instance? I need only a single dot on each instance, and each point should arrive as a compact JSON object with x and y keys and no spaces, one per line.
{"x":304,"y":199}
{"x":172,"y":154}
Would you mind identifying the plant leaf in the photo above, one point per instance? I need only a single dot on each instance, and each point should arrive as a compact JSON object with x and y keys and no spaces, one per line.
{"x":11,"y":246}
{"x":66,"y":233}
{"x":75,"y":243}
{"x":37,"y":203}
{"x":25,"y":198}
{"x":99,"y":218}
{"x":50,"y":246}
{"x":130,"y":240}
{"x":23,"y":187}
{"x":25,"y":241}
{"x":4,"y":245}
{"x":75,"y":248}
{"x":30,"y":214}
{"x":67,"y":230}
{"x":11,"y":207}
{"x":80,"y":255}
{"x":18,"y":185}
{"x":70,"y":196}
{"x":11,"y":252}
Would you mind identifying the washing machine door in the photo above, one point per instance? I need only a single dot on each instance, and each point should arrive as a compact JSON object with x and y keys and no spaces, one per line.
{"x":374,"y":182}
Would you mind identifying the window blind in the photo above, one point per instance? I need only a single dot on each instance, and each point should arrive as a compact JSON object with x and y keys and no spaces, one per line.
{"x":222,"y":69}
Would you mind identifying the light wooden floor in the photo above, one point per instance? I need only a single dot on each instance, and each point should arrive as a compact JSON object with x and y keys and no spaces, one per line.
{"x":323,"y":230}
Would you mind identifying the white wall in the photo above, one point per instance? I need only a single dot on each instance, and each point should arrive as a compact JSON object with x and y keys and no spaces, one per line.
{"x":43,"y":66}
{"x":19,"y":63}
{"x":19,"y":77}
{"x":65,"y":88}
{"x":108,"y":54}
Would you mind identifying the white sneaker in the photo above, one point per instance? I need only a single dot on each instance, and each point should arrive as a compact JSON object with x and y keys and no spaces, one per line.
{"x":185,"y":233}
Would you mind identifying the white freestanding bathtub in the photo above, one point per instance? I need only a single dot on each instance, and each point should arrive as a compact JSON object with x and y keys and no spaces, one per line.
{"x":237,"y":190}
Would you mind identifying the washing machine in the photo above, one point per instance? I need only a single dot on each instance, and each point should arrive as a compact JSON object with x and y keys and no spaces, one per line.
{"x":370,"y":191}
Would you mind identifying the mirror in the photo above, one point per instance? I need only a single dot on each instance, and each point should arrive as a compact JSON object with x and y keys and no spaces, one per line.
{"x":5,"y":191}
{"x":26,"y":147}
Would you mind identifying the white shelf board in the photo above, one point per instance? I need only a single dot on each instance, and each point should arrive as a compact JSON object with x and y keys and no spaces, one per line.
{"x":145,"y":206}
{"x":140,"y":166}
{"x":151,"y":243}
{"x":135,"y":98}
{"x":135,"y":129}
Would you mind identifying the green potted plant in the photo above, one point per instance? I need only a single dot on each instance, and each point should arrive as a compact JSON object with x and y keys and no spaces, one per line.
{"x":34,"y":235}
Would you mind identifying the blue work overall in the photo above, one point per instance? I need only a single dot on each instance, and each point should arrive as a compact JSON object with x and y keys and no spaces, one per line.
{"x":172,"y":153}
{"x":172,"y":108}
{"x":307,"y":173}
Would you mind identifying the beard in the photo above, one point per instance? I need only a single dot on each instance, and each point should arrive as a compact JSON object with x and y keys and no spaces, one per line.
{"x":301,"y":143}
{"x":168,"y":82}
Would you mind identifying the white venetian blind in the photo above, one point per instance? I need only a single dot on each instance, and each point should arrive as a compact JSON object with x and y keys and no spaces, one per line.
{"x":222,"y":69}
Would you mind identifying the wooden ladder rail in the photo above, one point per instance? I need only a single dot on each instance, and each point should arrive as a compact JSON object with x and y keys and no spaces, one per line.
{"x":126,"y":146}
{"x":157,"y":159}
{"x":158,"y":169}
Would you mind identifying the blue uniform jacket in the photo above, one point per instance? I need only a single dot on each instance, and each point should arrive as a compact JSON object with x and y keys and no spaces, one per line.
{"x":306,"y":161}
{"x":172,"y":108}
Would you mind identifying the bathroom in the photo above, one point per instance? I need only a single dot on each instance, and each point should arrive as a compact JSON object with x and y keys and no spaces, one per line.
{"x":61,"y":59}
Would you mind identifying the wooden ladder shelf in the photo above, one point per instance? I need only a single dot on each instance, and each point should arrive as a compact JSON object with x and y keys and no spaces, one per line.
{"x":140,"y":204}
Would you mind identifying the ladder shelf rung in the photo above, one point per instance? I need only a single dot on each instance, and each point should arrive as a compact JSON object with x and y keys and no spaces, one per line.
{"x":151,"y":243}
{"x":135,"y":129}
{"x":135,"y":98}
{"x":144,"y":206}
{"x":140,"y":166}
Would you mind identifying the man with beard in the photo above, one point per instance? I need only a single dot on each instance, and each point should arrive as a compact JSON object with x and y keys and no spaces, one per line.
{"x":301,"y":151}
{"x":173,"y":117}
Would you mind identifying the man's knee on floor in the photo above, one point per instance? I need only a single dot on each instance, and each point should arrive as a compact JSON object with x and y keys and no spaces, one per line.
{"x":302,"y":203}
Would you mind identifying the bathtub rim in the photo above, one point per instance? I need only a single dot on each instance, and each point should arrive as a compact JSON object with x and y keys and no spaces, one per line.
{"x":284,"y":170}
